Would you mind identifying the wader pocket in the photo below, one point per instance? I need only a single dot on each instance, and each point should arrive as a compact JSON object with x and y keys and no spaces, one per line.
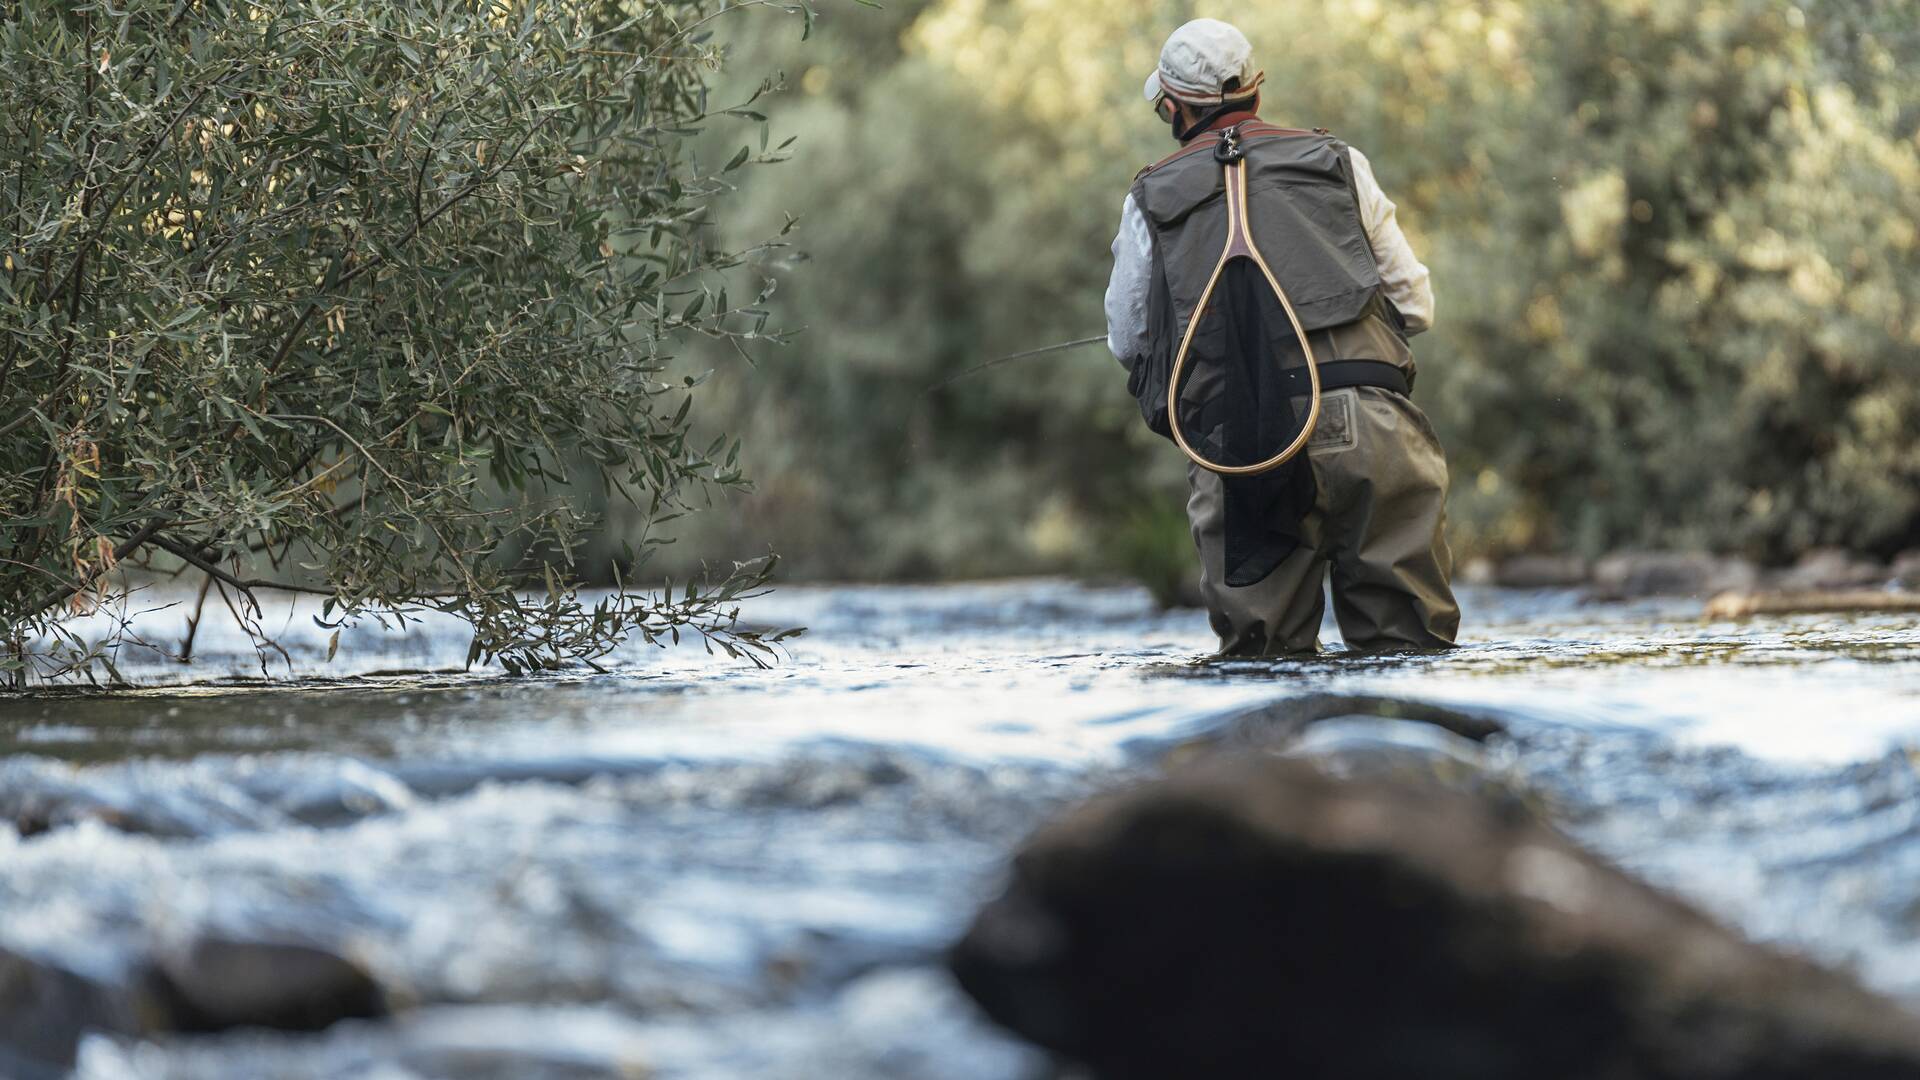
{"x":1335,"y":431}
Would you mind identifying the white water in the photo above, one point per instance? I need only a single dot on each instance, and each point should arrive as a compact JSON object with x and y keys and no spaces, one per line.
{"x":721,"y":871}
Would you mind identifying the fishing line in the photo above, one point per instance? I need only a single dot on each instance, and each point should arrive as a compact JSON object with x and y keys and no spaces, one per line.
{"x":921,"y":400}
{"x":1062,"y":347}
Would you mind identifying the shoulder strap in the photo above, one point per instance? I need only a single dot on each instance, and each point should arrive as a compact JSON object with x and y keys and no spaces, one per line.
{"x":1199,"y":143}
{"x":1261,"y":127}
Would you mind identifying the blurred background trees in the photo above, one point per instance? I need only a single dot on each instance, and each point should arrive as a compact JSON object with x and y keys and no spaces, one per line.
{"x":1674,"y":247}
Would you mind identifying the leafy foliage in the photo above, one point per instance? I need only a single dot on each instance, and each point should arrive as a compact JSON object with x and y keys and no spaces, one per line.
{"x":350,"y":297}
{"x":1673,"y":247}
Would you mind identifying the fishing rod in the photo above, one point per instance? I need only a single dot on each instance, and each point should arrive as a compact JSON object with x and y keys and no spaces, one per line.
{"x":1062,"y":347}
{"x":922,"y":400}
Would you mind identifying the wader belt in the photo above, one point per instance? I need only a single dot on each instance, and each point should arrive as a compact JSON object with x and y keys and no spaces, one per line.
{"x":1261,"y":514}
{"x":1340,"y":374}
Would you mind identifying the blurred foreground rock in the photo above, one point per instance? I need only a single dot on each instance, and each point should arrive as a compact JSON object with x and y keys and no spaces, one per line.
{"x":1256,"y":917}
{"x":216,"y":984}
{"x":212,"y":984}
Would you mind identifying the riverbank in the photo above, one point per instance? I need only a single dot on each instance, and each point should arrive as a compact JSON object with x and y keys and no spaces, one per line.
{"x":1636,"y":574}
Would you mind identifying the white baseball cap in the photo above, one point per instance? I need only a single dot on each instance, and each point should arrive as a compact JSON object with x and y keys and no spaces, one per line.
{"x":1199,"y":60}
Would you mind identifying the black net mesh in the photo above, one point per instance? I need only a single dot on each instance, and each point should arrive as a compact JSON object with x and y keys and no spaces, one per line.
{"x":1241,"y":398}
{"x":1243,"y":372}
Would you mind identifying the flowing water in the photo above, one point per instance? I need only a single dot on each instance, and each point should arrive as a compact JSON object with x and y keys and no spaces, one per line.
{"x":693,"y":868}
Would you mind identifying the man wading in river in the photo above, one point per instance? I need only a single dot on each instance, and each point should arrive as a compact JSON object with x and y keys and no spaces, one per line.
{"x":1247,"y":242}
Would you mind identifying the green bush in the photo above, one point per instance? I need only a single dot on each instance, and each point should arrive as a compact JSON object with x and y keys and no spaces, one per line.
{"x":353,"y":298}
{"x":1673,"y":246}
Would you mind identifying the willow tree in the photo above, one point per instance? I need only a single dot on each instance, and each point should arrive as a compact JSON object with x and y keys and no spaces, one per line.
{"x":342,"y":296}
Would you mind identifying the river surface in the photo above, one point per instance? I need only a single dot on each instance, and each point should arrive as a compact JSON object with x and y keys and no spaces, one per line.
{"x":690,"y":867}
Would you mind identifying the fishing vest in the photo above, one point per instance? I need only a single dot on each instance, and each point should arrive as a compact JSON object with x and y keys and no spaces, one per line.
{"x":1303,"y":211}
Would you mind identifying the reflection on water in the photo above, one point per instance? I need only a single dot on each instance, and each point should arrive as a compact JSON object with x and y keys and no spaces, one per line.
{"x":709,"y":870}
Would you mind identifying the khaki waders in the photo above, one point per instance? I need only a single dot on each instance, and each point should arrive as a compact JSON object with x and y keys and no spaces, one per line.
{"x":1377,"y":524}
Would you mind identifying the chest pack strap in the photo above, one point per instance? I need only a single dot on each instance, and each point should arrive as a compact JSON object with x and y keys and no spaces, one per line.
{"x":1339,"y":374}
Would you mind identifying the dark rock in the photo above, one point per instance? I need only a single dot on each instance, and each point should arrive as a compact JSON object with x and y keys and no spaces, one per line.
{"x":1630,"y":575}
{"x":213,"y":985}
{"x":217,"y":984}
{"x":44,"y":1010}
{"x":1832,"y":568}
{"x":1255,"y":917}
{"x":1542,"y":572}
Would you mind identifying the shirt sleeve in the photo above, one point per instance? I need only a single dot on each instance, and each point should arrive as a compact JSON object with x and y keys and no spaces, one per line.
{"x":1127,"y":289}
{"x":1407,"y":281}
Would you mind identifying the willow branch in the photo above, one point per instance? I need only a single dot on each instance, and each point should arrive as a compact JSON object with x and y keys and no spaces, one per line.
{"x":125,"y":548}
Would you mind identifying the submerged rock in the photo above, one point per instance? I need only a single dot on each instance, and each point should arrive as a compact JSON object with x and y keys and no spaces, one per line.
{"x":216,"y":984}
{"x":47,"y":1006}
{"x":1256,"y":917}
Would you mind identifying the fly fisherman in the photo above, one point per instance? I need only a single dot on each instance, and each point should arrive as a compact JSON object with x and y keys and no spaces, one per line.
{"x":1367,"y":497}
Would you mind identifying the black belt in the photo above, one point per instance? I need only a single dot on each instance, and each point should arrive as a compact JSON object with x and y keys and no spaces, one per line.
{"x":1340,"y":374}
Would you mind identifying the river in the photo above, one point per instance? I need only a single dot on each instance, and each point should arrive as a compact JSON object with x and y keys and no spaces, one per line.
{"x":690,"y":867}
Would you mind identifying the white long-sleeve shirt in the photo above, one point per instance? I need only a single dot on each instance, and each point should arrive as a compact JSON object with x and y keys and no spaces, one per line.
{"x":1406,"y":279}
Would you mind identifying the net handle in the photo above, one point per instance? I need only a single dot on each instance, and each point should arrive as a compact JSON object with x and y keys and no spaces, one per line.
{"x":1240,"y":245}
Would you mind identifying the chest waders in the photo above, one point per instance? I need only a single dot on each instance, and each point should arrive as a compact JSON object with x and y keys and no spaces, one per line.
{"x":1234,"y":279}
